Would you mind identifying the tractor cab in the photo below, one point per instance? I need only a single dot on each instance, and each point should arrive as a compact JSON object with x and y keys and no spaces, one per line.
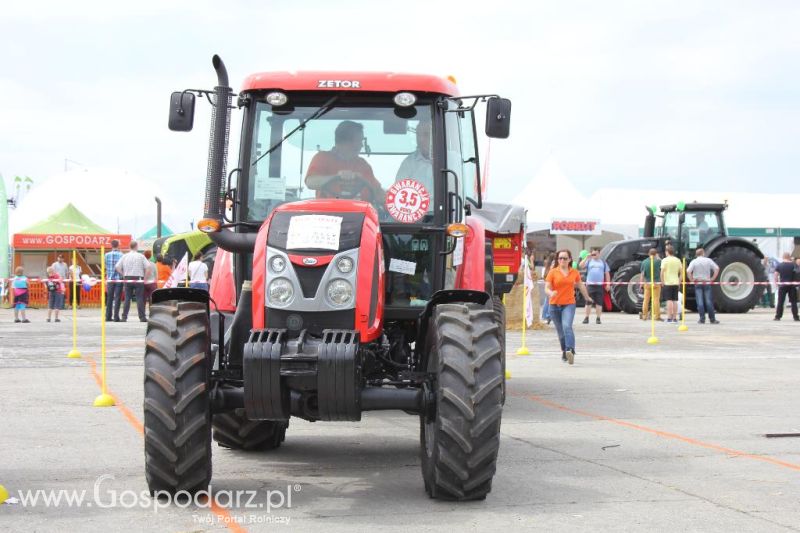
{"x":691,"y":227}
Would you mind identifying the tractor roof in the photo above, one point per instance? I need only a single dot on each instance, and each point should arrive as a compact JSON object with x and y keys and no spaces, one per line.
{"x":351,"y":81}
{"x":694,"y":206}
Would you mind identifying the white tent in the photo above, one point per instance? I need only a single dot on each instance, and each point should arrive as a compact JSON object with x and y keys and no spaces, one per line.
{"x":114,"y":199}
{"x":550,"y":194}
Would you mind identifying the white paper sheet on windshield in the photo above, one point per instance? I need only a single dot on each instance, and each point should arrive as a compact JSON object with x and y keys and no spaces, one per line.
{"x":314,"y":231}
{"x":402,"y":267}
{"x":269,"y":188}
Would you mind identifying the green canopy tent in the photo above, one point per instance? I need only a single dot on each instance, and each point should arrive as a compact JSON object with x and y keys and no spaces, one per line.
{"x":152,"y":233}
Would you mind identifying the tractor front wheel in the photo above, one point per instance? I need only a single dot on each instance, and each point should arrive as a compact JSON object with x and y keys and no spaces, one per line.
{"x":460,"y":440}
{"x":177,"y":414}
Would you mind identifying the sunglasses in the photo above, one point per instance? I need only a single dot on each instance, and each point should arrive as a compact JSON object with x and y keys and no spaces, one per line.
{"x":563,"y":258}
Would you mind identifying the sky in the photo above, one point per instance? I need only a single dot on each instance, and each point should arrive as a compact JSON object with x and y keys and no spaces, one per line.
{"x":683,"y":95}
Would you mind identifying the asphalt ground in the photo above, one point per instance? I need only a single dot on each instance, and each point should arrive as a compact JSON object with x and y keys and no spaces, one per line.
{"x":633,"y":437}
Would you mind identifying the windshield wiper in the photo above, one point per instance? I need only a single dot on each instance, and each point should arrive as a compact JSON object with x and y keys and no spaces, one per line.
{"x":324,"y":108}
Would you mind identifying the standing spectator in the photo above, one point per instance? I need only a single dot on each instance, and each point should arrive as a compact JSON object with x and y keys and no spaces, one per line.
{"x":133,"y":267}
{"x":549,"y":264}
{"x":651,"y":296}
{"x":55,"y":293}
{"x":61,"y":268}
{"x":149,"y":277}
{"x":75,"y":272}
{"x":560,"y":287}
{"x":671,"y":277}
{"x":702,"y":271}
{"x":598,"y":280}
{"x":164,"y":269}
{"x":198,"y":273}
{"x":113,"y":285}
{"x":786,"y":272}
{"x":20,"y":287}
{"x":768,"y":298}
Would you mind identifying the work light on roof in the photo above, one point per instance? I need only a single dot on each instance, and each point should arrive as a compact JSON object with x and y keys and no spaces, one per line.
{"x":404,"y":99}
{"x":277,"y":99}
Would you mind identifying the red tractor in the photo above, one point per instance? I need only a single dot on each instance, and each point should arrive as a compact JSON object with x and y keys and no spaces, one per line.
{"x":359,"y":275}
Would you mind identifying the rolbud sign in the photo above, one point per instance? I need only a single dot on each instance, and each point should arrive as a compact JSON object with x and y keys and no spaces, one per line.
{"x":574,"y":226}
{"x":67,"y":240}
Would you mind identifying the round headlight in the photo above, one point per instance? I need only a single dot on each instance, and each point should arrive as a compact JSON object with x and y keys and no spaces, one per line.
{"x":280,"y":291}
{"x":340,"y":292}
{"x":277,"y":264}
{"x":404,"y":99}
{"x":345,"y":265}
{"x":277,"y":99}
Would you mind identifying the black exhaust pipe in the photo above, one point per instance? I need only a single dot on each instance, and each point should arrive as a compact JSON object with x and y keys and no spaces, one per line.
{"x":218,"y":143}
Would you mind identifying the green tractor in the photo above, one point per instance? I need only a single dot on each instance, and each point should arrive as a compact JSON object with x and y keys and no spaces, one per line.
{"x":191,"y":242}
{"x":689,"y":227}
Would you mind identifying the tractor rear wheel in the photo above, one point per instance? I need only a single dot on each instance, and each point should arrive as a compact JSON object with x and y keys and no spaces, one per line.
{"x":737,"y":265}
{"x":235,"y":431}
{"x":627,"y":295}
{"x":460,"y":440}
{"x":177,"y":414}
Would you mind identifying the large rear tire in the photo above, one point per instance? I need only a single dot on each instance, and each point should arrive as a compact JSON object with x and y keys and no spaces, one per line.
{"x":177,"y":414}
{"x":235,"y":431}
{"x":738,"y":265}
{"x":460,"y":441}
{"x":627,"y":295}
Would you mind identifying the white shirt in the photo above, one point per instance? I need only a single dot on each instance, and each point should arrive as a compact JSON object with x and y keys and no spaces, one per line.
{"x":417,"y":167}
{"x":198,"y":272}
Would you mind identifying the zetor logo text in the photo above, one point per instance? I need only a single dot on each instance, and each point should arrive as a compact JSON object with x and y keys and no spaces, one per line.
{"x":573,"y":225}
{"x":336,"y":84}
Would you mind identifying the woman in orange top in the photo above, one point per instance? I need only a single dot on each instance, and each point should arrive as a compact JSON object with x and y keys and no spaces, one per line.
{"x":560,"y":287}
{"x":164,"y":270}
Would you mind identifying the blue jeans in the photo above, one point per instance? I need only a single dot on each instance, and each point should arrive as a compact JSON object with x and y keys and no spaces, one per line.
{"x":113,"y":300}
{"x":705,"y":302}
{"x":198,"y":285}
{"x":562,"y":316}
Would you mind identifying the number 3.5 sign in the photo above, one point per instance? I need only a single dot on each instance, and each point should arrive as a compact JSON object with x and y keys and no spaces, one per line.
{"x":407,"y":201}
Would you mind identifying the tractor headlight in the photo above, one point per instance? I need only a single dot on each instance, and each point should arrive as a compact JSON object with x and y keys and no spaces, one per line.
{"x":345,"y":265}
{"x":277,"y":264}
{"x":340,"y":292}
{"x":280,"y":291}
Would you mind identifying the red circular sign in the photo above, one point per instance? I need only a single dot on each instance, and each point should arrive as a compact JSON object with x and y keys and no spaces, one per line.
{"x":407,"y":201}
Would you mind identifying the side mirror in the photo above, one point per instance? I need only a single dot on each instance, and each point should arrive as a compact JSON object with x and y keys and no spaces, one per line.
{"x":181,"y":111}
{"x":498,"y":117}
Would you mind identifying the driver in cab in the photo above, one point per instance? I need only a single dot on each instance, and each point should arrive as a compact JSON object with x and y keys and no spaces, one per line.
{"x":341,"y":172}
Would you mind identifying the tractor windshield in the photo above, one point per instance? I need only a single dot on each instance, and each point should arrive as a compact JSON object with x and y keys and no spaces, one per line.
{"x":353,"y":152}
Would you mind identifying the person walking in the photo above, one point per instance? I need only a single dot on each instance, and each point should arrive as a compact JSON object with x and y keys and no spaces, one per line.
{"x":671,"y":275}
{"x":560,"y":288}
{"x":702,"y":271}
{"x":20,"y":287}
{"x":598,"y":281}
{"x":785,"y":273}
{"x":198,"y":273}
{"x":113,"y":285}
{"x":651,"y":287}
{"x":133,"y":267}
{"x":55,"y":293}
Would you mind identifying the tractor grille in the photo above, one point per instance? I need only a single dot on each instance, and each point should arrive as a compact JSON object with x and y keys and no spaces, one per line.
{"x":309,"y":278}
